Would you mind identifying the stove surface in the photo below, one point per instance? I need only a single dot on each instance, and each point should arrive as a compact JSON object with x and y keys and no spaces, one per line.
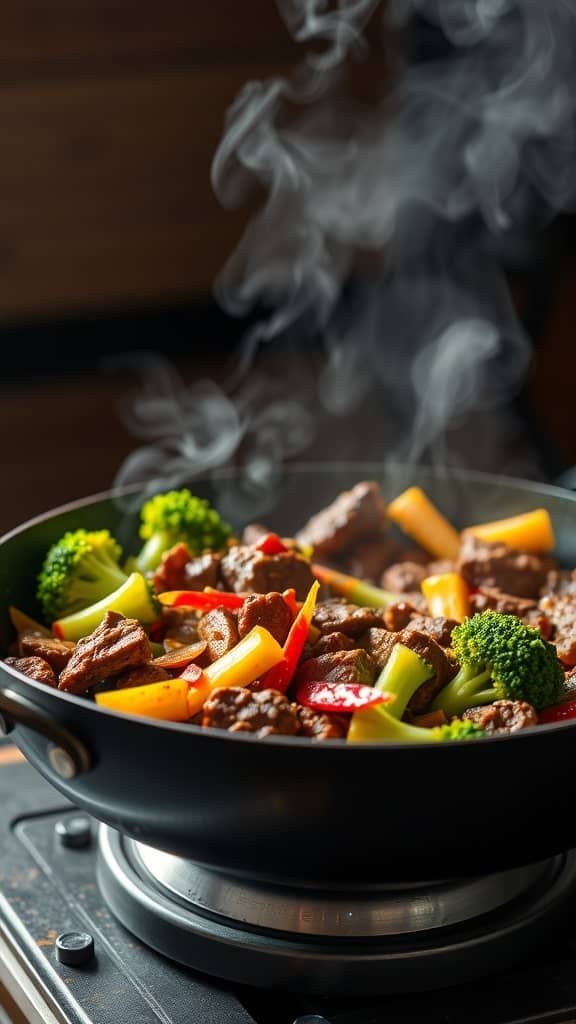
{"x":48,"y":888}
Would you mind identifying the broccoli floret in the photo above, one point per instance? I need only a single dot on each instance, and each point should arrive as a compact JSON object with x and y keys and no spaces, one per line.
{"x":501,"y":658}
{"x":178,"y":517}
{"x":378,"y":725}
{"x":403,"y":674}
{"x":79,"y":569}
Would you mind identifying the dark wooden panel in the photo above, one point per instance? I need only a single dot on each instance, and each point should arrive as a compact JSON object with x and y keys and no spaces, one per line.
{"x":38,"y":36}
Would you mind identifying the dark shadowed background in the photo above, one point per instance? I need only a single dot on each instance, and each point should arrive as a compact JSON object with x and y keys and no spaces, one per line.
{"x":111,"y":237}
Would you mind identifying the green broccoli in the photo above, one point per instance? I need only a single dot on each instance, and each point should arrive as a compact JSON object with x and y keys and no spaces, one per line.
{"x":177,"y":517}
{"x":377,"y":725}
{"x":501,"y":658}
{"x":78,"y":570}
{"x":403,"y":674}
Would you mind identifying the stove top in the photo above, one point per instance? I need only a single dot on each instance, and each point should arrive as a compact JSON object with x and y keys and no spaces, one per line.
{"x":48,"y":889}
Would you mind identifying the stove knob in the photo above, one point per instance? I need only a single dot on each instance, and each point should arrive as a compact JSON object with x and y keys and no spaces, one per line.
{"x":75,"y":949}
{"x":74,"y":831}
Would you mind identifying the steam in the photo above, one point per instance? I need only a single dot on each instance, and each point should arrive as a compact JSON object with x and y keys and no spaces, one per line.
{"x":469,"y":147}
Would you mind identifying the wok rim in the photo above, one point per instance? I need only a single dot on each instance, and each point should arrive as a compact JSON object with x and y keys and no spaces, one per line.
{"x":300,"y":742}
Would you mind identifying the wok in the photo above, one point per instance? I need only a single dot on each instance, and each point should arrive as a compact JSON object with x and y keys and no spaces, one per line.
{"x":289,"y":808}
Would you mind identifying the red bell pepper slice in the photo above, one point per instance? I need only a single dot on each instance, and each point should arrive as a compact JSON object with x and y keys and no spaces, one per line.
{"x":279,"y":676}
{"x":290,"y":599}
{"x":271,"y":544}
{"x":558,"y":713}
{"x":201,"y":600}
{"x":350,"y":697}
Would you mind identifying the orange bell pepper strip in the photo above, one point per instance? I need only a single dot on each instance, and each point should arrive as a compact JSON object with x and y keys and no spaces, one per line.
{"x":447,"y":596}
{"x":201,"y":600}
{"x":531,"y":531}
{"x":280,"y":675}
{"x":414,"y":513}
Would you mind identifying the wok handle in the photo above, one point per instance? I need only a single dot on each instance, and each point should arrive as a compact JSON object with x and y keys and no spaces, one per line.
{"x":68,"y":757}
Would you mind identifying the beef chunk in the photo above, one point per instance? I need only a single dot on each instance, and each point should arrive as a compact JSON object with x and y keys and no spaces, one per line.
{"x":561,"y":611}
{"x":367,"y":559}
{"x":56,"y":652}
{"x":264,"y":713}
{"x":246,"y":570}
{"x":354,"y":515}
{"x":496,"y":565}
{"x":379,"y":643}
{"x":219,"y":629}
{"x":142,"y":675}
{"x":267,"y":610}
{"x":337,"y":615}
{"x":444,"y":666}
{"x":117,"y":643}
{"x":491,"y":597}
{"x":404,"y":577}
{"x":398,"y":615}
{"x":321,"y":726}
{"x":536,"y":618}
{"x":439,"y":628}
{"x":178,"y":570}
{"x":560,"y":582}
{"x":503,"y":716}
{"x":34,"y":667}
{"x":569,"y":686}
{"x":330,"y":642}
{"x":356,"y":666}
{"x":180,"y":624}
{"x":428,"y":720}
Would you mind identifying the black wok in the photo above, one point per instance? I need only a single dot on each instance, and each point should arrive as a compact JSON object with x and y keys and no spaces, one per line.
{"x":287,"y":807}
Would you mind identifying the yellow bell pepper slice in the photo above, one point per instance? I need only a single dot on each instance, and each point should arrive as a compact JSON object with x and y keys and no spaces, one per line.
{"x":414,"y":513}
{"x":447,"y":596}
{"x":257,"y":652}
{"x":167,"y":700}
{"x":531,"y":531}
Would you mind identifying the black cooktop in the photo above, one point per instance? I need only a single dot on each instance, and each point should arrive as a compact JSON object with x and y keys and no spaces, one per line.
{"x":48,"y":888}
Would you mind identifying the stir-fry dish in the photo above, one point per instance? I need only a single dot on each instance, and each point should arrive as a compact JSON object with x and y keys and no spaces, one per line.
{"x":377,"y":621}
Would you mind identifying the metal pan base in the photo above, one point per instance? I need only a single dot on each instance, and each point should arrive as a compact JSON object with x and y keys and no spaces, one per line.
{"x":350,"y":943}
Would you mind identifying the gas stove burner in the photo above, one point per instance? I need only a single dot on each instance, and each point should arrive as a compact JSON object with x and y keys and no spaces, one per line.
{"x":353,"y":941}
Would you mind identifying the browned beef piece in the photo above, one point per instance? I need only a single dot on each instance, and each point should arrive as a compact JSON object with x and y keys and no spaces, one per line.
{"x":503,"y":716}
{"x":354,"y":515}
{"x":171,"y":573}
{"x":267,"y":610}
{"x":398,"y":615}
{"x":34,"y":667}
{"x":404,"y":577}
{"x":569,"y":687}
{"x":117,"y":643}
{"x":508,"y":604}
{"x":496,"y":565}
{"x":561,"y":611}
{"x":141,"y":676}
{"x":540,"y":621}
{"x":219,"y":629}
{"x":180,"y":624}
{"x":439,"y":628}
{"x":178,"y":570}
{"x":248,"y":571}
{"x":321,"y":726}
{"x":444,"y":666}
{"x":237,"y":709}
{"x":367,"y":559}
{"x":56,"y":652}
{"x":379,"y":643}
{"x":253,"y":532}
{"x":356,"y":666}
{"x":429,"y":720}
{"x":337,"y":615}
{"x":560,"y":582}
{"x":330,"y":642}
{"x":403,"y":615}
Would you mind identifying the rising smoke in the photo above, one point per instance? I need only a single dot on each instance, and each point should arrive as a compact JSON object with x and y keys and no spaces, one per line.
{"x":465,"y":151}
